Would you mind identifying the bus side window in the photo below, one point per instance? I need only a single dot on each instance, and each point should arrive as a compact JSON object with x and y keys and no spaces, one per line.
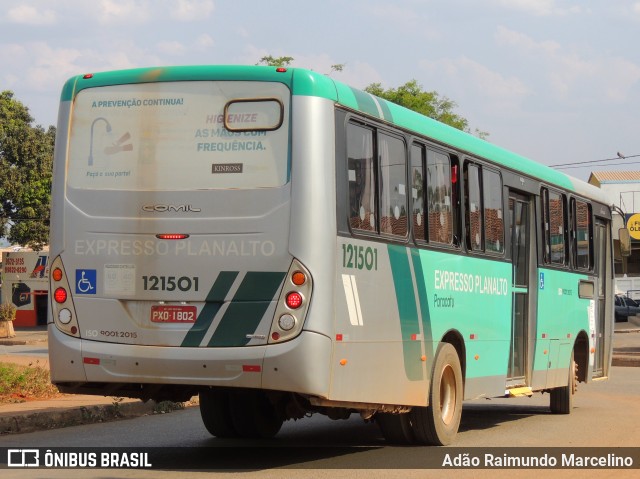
{"x":544,"y":200}
{"x":362,"y":178}
{"x":493,"y":217}
{"x":393,"y":188}
{"x":473,"y":213}
{"x":439,"y":198}
{"x":417,"y":192}
{"x":582,"y":237}
{"x":555,"y":231}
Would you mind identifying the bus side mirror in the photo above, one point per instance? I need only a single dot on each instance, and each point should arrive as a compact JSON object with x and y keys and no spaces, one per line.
{"x":625,"y":242}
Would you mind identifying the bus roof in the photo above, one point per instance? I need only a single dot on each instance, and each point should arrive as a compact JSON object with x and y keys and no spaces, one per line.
{"x":303,"y":82}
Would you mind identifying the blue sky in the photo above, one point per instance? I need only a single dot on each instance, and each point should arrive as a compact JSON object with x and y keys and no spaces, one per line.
{"x":557,"y":81}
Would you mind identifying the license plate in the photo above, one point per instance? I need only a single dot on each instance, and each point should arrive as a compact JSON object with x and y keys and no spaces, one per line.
{"x":173,"y":314}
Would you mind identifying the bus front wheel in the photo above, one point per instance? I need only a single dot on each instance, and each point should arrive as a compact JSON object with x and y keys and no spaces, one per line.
{"x":438,"y":423}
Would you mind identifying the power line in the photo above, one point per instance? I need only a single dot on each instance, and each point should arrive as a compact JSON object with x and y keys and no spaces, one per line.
{"x":561,"y":165}
{"x":614,"y":164}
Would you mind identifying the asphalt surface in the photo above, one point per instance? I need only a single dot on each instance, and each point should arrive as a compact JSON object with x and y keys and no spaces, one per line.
{"x":29,"y":347}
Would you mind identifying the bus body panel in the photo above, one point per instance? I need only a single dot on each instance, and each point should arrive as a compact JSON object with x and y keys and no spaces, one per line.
{"x":132,"y":270}
{"x":277,"y":367}
{"x":562,"y":316}
{"x":299,"y":365}
{"x":218,"y":285}
{"x":312,"y":236}
{"x":58,"y":185}
{"x":378,"y":352}
{"x":394,"y":306}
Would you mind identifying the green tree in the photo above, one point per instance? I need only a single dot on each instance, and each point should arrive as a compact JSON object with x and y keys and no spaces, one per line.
{"x":410,"y":95}
{"x":26,"y":159}
{"x":429,"y":103}
{"x":338,"y":67}
{"x":271,"y":61}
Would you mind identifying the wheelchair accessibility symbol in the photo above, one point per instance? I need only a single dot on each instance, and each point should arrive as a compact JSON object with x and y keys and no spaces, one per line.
{"x":86,"y":281}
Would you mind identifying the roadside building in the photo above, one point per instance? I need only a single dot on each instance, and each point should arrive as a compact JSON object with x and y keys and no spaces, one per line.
{"x":623,"y":189}
{"x":24,"y":282}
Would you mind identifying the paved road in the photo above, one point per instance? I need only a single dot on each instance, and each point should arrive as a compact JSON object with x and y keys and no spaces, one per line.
{"x":606,"y":415}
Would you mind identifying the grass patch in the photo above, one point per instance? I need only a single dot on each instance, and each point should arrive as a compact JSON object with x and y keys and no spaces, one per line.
{"x":23,"y":383}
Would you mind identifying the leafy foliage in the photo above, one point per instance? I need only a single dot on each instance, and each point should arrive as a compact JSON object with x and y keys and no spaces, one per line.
{"x":429,"y":103}
{"x":272,"y":61}
{"x":7,"y":311}
{"x":411,"y":95}
{"x":26,"y":159}
{"x":19,"y":383}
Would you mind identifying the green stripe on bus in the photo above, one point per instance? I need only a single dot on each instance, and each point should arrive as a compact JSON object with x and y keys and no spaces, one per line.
{"x":366,"y":103}
{"x":239,"y":320}
{"x":259,"y":286}
{"x":407,"y":310}
{"x":214,"y":301}
{"x":424,"y":303}
{"x":251,"y":301}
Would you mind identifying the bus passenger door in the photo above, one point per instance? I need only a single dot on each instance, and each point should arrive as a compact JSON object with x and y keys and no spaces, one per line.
{"x":601,"y":255}
{"x":521,"y":233}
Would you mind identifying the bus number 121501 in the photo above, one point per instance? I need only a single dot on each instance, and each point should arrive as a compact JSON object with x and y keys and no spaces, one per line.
{"x":170,"y":283}
{"x":359,"y":257}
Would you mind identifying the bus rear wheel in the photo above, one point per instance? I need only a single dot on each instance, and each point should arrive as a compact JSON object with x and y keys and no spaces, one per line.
{"x":216,"y":414}
{"x":437,"y":424}
{"x":253,"y":415}
{"x":396,"y":428}
{"x":561,"y":399}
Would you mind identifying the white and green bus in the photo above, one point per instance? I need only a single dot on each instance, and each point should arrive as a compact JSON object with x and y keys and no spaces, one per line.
{"x":282,"y":244}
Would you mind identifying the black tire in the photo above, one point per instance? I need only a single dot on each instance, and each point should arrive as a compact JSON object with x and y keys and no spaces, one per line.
{"x":438,"y":424}
{"x":216,"y":414}
{"x":396,"y":428}
{"x":253,"y":415}
{"x":561,"y":399}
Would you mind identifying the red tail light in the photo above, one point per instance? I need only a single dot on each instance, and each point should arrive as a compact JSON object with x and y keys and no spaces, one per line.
{"x":60,"y":295}
{"x":294,"y":300}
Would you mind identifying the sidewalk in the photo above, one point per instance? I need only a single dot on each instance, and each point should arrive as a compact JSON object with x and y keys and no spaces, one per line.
{"x":37,"y":335}
{"x":70,"y":410}
{"x":626,"y":345}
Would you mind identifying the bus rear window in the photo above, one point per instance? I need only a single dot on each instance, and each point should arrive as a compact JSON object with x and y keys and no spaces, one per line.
{"x":180,"y":136}
{"x":253,"y":115}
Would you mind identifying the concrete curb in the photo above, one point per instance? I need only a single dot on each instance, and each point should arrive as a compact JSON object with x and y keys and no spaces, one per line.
{"x":74,"y":416}
{"x":21,"y":342}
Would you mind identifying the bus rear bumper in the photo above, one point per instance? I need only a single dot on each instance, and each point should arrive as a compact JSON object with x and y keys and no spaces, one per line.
{"x":300,"y":365}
